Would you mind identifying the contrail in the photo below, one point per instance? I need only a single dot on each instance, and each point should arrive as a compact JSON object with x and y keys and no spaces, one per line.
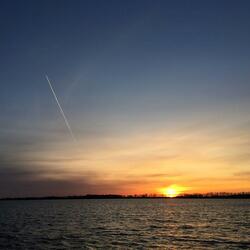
{"x":61,"y":110}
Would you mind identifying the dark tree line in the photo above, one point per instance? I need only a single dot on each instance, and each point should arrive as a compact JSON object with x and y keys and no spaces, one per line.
{"x":212,"y":195}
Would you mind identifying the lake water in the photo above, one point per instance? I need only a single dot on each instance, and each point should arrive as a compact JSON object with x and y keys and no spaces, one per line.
{"x":125,"y":224}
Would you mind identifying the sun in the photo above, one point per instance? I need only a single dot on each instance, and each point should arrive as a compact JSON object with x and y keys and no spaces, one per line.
{"x":172,"y":191}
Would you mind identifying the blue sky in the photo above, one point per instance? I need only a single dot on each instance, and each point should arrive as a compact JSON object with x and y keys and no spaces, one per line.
{"x":121,"y":69}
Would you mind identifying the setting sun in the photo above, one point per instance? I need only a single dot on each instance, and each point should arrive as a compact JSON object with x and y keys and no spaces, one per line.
{"x":172,"y":191}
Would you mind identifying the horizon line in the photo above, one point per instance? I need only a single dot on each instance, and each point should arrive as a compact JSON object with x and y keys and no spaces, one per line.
{"x":121,"y":196}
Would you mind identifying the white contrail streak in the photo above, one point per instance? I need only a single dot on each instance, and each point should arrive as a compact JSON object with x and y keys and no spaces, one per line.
{"x":61,"y":110}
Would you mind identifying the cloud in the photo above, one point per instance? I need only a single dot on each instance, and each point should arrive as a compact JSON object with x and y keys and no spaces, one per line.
{"x":24,"y":182}
{"x":35,"y":164}
{"x":245,"y":174}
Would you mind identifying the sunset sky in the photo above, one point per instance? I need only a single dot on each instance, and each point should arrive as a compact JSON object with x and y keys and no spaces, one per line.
{"x":157,"y":93}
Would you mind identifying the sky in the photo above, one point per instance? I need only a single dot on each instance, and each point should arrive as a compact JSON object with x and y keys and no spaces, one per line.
{"x":157,"y":93}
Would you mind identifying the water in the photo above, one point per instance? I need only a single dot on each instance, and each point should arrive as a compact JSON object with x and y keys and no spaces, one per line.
{"x":125,"y":224}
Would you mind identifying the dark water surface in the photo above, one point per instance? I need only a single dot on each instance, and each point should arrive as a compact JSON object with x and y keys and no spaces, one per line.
{"x":125,"y":224}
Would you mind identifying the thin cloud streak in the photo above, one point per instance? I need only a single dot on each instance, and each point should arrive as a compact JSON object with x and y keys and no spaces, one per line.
{"x":61,"y":110}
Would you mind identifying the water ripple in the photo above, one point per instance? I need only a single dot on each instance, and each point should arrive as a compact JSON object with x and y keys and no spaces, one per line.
{"x":125,"y":224}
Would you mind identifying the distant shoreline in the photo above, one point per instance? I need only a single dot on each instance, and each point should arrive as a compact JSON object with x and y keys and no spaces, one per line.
{"x":245,"y":195}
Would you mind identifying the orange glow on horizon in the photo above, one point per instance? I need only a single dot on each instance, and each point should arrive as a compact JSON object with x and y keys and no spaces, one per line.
{"x":172,"y":191}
